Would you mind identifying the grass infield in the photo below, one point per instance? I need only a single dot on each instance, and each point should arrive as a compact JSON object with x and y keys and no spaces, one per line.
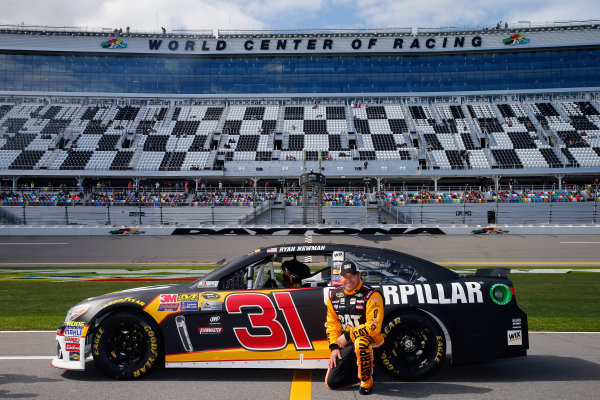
{"x":553,"y":302}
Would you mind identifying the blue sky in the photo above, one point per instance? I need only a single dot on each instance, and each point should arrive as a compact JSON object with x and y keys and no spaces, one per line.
{"x":150,"y":15}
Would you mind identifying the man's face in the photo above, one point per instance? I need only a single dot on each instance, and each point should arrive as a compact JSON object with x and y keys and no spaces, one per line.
{"x":350,"y":281}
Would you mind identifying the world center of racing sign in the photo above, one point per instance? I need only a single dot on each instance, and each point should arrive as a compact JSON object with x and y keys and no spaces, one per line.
{"x":318,"y":44}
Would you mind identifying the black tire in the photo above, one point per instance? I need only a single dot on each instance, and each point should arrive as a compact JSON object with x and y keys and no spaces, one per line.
{"x":126,"y":345}
{"x":414,"y":347}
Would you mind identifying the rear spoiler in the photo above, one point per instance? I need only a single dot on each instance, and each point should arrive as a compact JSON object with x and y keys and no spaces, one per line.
{"x":493,"y":272}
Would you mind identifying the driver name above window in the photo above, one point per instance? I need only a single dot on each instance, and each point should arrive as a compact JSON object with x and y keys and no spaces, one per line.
{"x":300,"y":248}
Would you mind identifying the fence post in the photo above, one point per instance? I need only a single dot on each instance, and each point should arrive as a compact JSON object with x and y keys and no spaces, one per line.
{"x":550,"y":212}
{"x":497,"y":210}
{"x":108,"y":213}
{"x":161,"y":213}
{"x":66,"y":214}
{"x":140,"y":211}
{"x":24,"y":216}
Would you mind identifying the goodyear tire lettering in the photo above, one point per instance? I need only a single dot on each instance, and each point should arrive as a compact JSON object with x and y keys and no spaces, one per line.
{"x":118,"y":358}
{"x":414,"y":348}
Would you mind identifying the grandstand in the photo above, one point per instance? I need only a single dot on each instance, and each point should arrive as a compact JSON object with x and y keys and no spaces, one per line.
{"x":479,"y":107}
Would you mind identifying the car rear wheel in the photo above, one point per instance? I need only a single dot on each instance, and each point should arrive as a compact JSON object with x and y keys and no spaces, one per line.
{"x":126,"y":345}
{"x":414,"y":346}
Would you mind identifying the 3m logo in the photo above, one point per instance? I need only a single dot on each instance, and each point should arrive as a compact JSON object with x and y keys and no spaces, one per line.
{"x":515,"y":338}
{"x":215,"y":318}
{"x":168,"y":298}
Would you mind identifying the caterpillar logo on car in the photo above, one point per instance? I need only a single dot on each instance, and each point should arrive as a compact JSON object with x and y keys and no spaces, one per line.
{"x":468,"y":293}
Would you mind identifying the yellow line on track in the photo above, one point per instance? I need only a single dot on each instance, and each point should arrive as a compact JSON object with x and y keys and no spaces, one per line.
{"x":301,"y":385}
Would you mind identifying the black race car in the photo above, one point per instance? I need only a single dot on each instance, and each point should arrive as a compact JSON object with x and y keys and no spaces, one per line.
{"x":267,"y":309}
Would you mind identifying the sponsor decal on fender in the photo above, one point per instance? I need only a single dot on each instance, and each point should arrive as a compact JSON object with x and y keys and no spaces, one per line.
{"x":515,"y":338}
{"x":168,"y":307}
{"x":74,"y":328}
{"x":71,"y":339}
{"x":74,"y":356}
{"x":187,"y":297}
{"x":210,"y":330}
{"x":189,"y":306}
{"x":467,"y":293}
{"x":211,"y":306}
{"x":72,"y":346}
{"x":210,"y":296}
{"x":208,"y":284}
{"x":168,"y":298}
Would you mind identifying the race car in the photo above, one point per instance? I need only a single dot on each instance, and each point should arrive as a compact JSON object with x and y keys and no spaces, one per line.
{"x":267,"y":309}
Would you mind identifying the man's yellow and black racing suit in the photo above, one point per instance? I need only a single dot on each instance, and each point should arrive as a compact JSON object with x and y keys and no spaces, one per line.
{"x":359,"y":315}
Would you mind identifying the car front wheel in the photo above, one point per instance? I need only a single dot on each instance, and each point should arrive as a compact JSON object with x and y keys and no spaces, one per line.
{"x":126,"y":345}
{"x":414,"y":346}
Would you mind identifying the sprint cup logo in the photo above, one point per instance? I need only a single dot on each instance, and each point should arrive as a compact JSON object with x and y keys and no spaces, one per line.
{"x":515,"y":338}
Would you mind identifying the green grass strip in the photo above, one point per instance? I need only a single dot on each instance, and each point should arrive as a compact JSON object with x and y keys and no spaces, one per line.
{"x":553,"y":302}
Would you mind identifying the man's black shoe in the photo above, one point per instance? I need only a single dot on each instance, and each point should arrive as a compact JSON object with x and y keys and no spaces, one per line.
{"x":365,"y":391}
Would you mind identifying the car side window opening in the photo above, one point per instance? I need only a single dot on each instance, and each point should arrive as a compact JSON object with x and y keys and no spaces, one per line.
{"x":377,"y":270}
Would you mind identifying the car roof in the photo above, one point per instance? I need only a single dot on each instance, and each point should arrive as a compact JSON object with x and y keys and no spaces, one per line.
{"x":426,"y":268}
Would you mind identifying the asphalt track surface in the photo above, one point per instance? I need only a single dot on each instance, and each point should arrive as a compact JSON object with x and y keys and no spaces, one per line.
{"x":533,"y":250}
{"x":559,"y":366}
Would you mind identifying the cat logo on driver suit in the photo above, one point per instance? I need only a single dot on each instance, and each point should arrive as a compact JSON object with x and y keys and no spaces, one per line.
{"x":349,"y":320}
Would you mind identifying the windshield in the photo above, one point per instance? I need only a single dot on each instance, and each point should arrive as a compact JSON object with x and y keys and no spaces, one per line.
{"x":378,"y":270}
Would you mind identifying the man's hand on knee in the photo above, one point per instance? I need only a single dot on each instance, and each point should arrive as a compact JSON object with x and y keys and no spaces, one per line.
{"x":336,"y":355}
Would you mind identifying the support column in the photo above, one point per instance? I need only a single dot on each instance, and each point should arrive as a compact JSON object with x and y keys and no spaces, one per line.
{"x":255,"y":180}
{"x":560,"y":179}
{"x":14,"y":184}
{"x":435,"y":182}
{"x":379,"y":179}
{"x":80,"y":183}
{"x":136,"y":182}
{"x":196,"y":180}
{"x":496,"y":179}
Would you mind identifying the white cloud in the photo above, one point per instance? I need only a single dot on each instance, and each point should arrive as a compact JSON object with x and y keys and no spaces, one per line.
{"x":150,"y":15}
{"x":435,"y":13}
